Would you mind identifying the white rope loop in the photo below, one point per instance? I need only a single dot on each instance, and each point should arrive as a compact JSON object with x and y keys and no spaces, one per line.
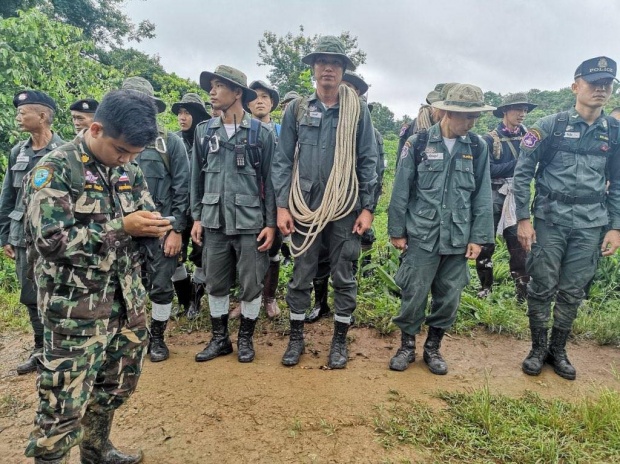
{"x":341,"y":190}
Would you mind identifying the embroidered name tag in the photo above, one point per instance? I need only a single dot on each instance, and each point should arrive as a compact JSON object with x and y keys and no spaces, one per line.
{"x":316,"y":114}
{"x":22,"y":159}
{"x":434,"y":156}
{"x":571,"y":135}
{"x":467,"y":157}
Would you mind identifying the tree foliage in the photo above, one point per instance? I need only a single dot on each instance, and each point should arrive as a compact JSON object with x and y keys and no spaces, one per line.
{"x":283,"y":55}
{"x":100,"y":20}
{"x":383,"y":118}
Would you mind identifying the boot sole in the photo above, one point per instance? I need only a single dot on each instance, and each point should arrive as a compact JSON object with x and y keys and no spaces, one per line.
{"x":531,"y":372}
{"x":564,"y":375}
{"x":156,"y":360}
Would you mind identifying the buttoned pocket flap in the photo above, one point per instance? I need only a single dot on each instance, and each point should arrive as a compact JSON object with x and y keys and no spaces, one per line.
{"x":210,"y":198}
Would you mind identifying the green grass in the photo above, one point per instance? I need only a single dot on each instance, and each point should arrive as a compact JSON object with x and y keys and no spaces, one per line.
{"x":482,"y":427}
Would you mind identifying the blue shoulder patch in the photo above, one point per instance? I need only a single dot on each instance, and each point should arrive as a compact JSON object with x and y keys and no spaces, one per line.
{"x":41,"y":176}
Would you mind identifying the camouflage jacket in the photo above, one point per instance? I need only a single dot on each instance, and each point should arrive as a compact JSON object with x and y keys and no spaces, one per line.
{"x":84,"y":255}
{"x":21,"y":161}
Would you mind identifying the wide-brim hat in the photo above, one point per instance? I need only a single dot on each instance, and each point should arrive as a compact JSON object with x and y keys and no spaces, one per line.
{"x":435,"y":94}
{"x":273,"y":93}
{"x":329,"y":45}
{"x":231,"y":76}
{"x":464,"y":98}
{"x":140,"y":84}
{"x":356,"y":80}
{"x":191,"y":100}
{"x":515,"y":99}
{"x":289,"y":96}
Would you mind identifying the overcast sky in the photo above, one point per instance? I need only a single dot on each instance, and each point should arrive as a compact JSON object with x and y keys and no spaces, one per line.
{"x":503,"y":46}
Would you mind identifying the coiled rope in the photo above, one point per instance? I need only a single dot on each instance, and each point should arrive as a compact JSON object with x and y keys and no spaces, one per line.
{"x":341,"y":190}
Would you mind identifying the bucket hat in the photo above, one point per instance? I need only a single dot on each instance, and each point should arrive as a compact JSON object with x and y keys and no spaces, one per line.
{"x":273,"y":93}
{"x":513,"y":99}
{"x":140,"y":84}
{"x":464,"y":98}
{"x":230,"y":75}
{"x":192,"y":100}
{"x":329,"y":45}
{"x":356,"y":80}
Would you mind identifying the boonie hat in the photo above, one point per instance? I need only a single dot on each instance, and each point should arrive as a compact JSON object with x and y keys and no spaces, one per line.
{"x":33,"y":97}
{"x":86,"y":105}
{"x":329,"y":45}
{"x":192,"y":100}
{"x":140,"y":84}
{"x":289,"y":96}
{"x":513,"y":99}
{"x":596,"y":69}
{"x":435,"y":94}
{"x":273,"y":93}
{"x":464,"y":98}
{"x":356,"y":80}
{"x":230,"y":75}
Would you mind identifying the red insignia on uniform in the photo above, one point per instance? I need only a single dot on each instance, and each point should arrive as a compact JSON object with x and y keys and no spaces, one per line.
{"x":124,"y":177}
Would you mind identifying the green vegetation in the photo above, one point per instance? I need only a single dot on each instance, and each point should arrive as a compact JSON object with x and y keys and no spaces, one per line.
{"x":482,"y":427}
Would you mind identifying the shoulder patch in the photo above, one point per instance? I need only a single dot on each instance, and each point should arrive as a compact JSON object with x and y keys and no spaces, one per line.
{"x":405,"y":151}
{"x":41,"y":176}
{"x":531,"y":138}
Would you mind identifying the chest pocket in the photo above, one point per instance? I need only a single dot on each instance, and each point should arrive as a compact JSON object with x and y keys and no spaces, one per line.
{"x":429,"y":173}
{"x":126,"y":201}
{"x":19,"y":170}
{"x":214,"y":161}
{"x":464,"y":173}
{"x":93,"y":202}
{"x":309,"y":130}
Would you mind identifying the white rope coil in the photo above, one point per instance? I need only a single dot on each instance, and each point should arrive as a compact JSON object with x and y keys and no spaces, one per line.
{"x":341,"y":190}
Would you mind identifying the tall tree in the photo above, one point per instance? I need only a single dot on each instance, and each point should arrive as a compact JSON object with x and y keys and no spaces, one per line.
{"x":383,"y":119}
{"x":101,"y":20}
{"x":283,"y":55}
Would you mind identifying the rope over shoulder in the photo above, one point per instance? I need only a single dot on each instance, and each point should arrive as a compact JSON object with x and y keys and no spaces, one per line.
{"x":341,"y":190}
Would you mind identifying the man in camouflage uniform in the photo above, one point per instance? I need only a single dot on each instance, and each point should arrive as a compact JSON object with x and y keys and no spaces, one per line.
{"x":503,"y":142}
{"x":267,"y":100}
{"x":313,"y":133}
{"x":233,"y":207}
{"x":439,"y":216}
{"x":82,"y":113}
{"x":86,"y":201}
{"x":35,"y":114}
{"x":577,"y":156}
{"x":166,"y":168}
{"x":190,"y":112}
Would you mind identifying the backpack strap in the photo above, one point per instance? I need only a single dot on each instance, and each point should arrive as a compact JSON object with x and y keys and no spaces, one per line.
{"x":419,"y":146}
{"x":161,"y":147}
{"x":206,"y":140}
{"x":255,"y":150}
{"x":559,"y":127}
{"x":476,"y":148}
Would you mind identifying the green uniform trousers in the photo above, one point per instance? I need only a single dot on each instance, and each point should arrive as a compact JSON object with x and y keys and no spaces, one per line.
{"x":421,"y":272}
{"x":28,"y":291}
{"x":562,"y":262}
{"x":342,"y":246}
{"x":79,"y":372}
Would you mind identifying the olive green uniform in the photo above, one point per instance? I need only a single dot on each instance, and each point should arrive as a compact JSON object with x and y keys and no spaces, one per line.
{"x":440,"y":205}
{"x":571,"y":212}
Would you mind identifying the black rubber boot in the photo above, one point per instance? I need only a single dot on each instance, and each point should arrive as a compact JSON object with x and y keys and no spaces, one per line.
{"x":321,"y":308}
{"x":436,"y":364}
{"x":533,"y":364}
{"x":60,"y":458}
{"x":31,"y":364}
{"x":296,"y":346}
{"x":96,"y":447}
{"x":269,"y":289}
{"x":198,"y":291}
{"x":157,"y":346}
{"x":220,"y":344}
{"x":338,"y":354}
{"x":183,"y":289}
{"x":245,"y":344}
{"x":405,"y":354}
{"x":557,"y":354}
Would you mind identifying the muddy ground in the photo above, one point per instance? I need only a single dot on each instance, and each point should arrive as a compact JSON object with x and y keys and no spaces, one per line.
{"x":226,"y":412}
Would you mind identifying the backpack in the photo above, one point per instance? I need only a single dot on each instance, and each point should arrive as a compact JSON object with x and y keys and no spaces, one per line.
{"x":253,"y":147}
{"x":559,"y":128}
{"x":160,"y":147}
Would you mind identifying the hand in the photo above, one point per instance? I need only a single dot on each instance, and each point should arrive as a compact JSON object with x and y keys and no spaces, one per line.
{"x":363,"y":222}
{"x":473,"y":250}
{"x":399,"y":243}
{"x":9,"y":251}
{"x":146,"y":224}
{"x":197,"y":233}
{"x":285,"y":222}
{"x":526,"y":234}
{"x":172,"y":244}
{"x":267,"y":234}
{"x":611,"y":242}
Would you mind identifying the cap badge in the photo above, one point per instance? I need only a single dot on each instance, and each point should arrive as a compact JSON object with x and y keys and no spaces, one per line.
{"x":85,"y":106}
{"x":22,"y":96}
{"x":602,"y":63}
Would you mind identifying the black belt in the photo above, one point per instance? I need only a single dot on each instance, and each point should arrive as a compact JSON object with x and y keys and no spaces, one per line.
{"x":571,"y":200}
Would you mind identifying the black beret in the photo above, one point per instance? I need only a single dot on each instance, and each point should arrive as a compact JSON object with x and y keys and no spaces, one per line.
{"x":87,"y":105}
{"x":33,"y":97}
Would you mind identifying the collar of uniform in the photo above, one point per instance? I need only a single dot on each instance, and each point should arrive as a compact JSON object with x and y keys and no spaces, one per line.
{"x":314,"y":97}
{"x":434,"y":133}
{"x":245,"y":121}
{"x":86,"y":155}
{"x":54,"y":142}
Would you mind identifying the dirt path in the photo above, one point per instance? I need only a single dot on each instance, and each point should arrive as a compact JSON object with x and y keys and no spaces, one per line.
{"x":226,"y":412}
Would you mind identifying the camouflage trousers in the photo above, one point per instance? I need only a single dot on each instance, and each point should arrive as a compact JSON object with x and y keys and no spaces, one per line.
{"x":561,"y":264}
{"x":95,"y":371}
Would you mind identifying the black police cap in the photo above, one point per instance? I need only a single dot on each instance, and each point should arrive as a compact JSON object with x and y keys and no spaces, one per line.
{"x":87,"y":105}
{"x":597,"y":68}
{"x":33,"y":97}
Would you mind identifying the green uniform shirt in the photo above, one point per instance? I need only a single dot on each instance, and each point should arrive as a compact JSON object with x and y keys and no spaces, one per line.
{"x":226,"y":197}
{"x":569,"y":173}
{"x":316,"y":139}
{"x":445,"y":200}
{"x":21,"y":161}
